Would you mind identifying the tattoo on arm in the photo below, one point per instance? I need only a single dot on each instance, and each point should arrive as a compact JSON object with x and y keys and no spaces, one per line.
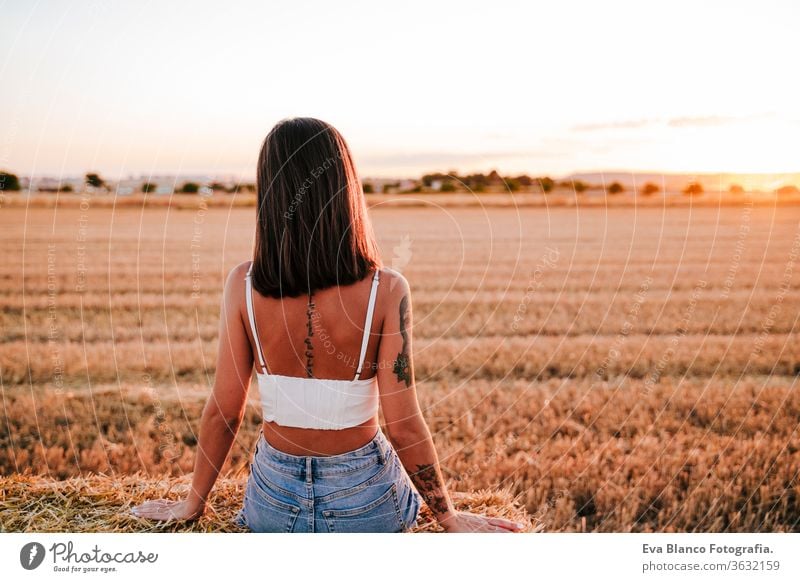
{"x":429,"y":483}
{"x":402,"y":365}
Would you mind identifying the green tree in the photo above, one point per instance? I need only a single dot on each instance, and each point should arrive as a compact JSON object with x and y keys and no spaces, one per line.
{"x":649,"y":189}
{"x":65,"y":188}
{"x":190,"y":188}
{"x":148,"y":187}
{"x":615,"y":188}
{"x":94,"y":180}
{"x":368,"y":188}
{"x":9,"y":182}
{"x":693,"y":189}
{"x":447,"y":186}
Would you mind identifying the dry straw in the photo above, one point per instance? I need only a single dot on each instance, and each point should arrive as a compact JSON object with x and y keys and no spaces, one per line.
{"x":100,"y":503}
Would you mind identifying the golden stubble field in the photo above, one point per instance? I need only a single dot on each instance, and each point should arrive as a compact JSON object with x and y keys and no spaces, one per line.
{"x":616,"y":369}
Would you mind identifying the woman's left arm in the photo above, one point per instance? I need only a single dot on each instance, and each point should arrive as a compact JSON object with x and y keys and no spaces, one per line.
{"x":223,"y":412}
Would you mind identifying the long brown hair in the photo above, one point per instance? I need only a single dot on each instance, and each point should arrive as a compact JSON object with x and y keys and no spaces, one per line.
{"x":312,"y":231}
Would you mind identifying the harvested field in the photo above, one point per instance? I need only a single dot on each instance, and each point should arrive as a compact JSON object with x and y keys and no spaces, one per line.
{"x":595,"y":368}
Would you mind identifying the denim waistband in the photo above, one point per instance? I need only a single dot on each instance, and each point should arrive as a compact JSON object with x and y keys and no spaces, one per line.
{"x":378,"y":446}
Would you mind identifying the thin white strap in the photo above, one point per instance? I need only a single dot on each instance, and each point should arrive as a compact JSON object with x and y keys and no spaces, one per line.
{"x":252,"y":317}
{"x":368,"y":323}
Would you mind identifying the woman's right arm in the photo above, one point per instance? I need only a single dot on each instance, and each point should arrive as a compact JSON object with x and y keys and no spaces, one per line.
{"x":405,"y":426}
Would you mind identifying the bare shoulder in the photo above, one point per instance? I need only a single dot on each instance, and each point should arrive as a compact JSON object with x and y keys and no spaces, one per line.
{"x":396,"y":285}
{"x":239,"y":271}
{"x":234,"y":284}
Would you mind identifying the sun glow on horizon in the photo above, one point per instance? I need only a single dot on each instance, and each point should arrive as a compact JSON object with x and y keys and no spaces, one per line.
{"x":181,"y":88}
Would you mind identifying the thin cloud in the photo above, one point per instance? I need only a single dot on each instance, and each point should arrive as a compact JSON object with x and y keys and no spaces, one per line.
{"x":701,"y":121}
{"x":687,"y":121}
{"x":623,"y":124}
{"x":715,"y":120}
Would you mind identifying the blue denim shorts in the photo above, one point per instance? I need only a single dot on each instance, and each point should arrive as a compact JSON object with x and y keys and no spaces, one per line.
{"x":365,"y":490}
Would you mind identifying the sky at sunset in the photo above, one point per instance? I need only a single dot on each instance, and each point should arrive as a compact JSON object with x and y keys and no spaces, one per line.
{"x":542,"y":88}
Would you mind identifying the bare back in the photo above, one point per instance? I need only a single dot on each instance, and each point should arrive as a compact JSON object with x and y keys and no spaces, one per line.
{"x":328,"y":349}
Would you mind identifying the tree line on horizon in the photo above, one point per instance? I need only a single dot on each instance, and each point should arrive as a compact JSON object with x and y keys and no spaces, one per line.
{"x":10,"y":183}
{"x":435,"y":182}
{"x":479,"y":183}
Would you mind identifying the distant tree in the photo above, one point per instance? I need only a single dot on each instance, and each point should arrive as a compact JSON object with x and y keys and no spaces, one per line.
{"x":9,"y":182}
{"x":236,"y":188}
{"x":148,"y":187}
{"x":494,"y":177}
{"x":693,"y":189}
{"x":512,"y":184}
{"x":524,"y":180}
{"x":190,"y":188}
{"x":736,"y":189}
{"x":447,"y":186}
{"x":546,"y":184}
{"x":787,"y":190}
{"x":615,"y":188}
{"x":94,"y":180}
{"x":65,"y":188}
{"x":368,"y":188}
{"x":579,"y":186}
{"x":649,"y":189}
{"x":476,"y":182}
{"x":218,"y":187}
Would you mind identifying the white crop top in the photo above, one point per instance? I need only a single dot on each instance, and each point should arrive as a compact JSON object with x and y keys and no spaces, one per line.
{"x":316,"y":402}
